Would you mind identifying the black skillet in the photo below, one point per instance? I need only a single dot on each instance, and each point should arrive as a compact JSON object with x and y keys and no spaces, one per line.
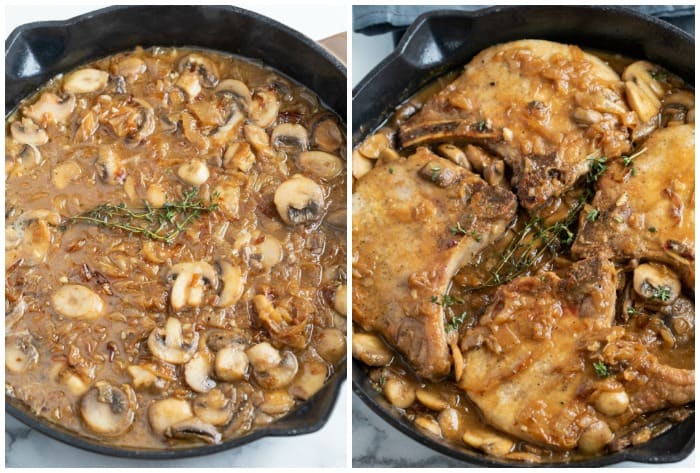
{"x":441,"y":41}
{"x":36,"y":52}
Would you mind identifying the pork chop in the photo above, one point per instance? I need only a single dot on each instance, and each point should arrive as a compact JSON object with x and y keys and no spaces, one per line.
{"x":543,"y":107}
{"x":530,"y":362}
{"x":647,"y":207}
{"x":415,"y":222}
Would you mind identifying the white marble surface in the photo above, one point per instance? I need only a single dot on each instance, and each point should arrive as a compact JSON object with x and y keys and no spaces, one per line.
{"x":376,"y":443}
{"x":325,"y":448}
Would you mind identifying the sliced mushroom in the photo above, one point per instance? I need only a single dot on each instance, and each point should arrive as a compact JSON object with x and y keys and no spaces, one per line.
{"x":194,"y":429}
{"x":429,"y":425}
{"x":20,"y":353}
{"x":330,"y":344}
{"x":64,"y":173}
{"x":487,"y":440}
{"x":107,"y":409}
{"x":272,"y":370}
{"x":431,"y":399}
{"x":360,"y":165}
{"x":233,"y":284}
{"x":197,"y":373}
{"x":239,"y":156}
{"x":192,"y":133}
{"x":372,"y":146}
{"x":228,"y":197}
{"x":370,"y":350}
{"x":290,"y":137}
{"x":643,"y":91}
{"x":268,"y":252}
{"x":454,"y":154}
{"x":656,"y":283}
{"x":167,"y":412}
{"x":142,"y":122}
{"x":276,"y":402}
{"x":29,"y":133}
{"x":310,"y":380}
{"x":264,"y":108}
{"x":226,"y":132}
{"x":213,"y":408}
{"x":232,"y":363}
{"x":167,"y":344}
{"x":29,"y":156}
{"x":299,"y":200}
{"x":237,"y":89}
{"x":142,"y":377}
{"x":130,"y":68}
{"x":320,"y":164}
{"x":50,"y":108}
{"x":189,"y":83}
{"x":67,"y":376}
{"x":155,"y":195}
{"x":31,"y":235}
{"x":85,"y":81}
{"x":678,"y":108}
{"x":595,"y":437}
{"x":203,"y":67}
{"x":340,"y":300}
{"x":258,"y":138}
{"x":399,"y":392}
{"x":109,"y":166}
{"x":77,"y":302}
{"x":325,"y":134}
{"x":218,"y":339}
{"x":190,"y":279}
{"x":194,"y":172}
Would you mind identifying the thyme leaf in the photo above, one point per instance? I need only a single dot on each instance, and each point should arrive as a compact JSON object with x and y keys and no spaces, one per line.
{"x":601,"y":369}
{"x":455,"y":323}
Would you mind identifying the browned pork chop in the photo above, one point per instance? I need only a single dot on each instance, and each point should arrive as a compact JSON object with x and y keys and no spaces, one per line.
{"x":542,"y":106}
{"x":647,"y":208}
{"x":415,"y":222}
{"x":529,"y":363}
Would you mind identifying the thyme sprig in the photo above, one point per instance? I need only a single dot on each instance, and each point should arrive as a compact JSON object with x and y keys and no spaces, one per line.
{"x":156,"y":223}
{"x":532,"y":243}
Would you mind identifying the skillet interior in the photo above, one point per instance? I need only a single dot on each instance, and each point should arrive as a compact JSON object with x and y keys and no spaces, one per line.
{"x":36,"y":52}
{"x":440,"y":41}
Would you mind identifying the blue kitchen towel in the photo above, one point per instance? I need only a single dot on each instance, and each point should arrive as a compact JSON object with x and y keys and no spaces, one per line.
{"x":374,"y":19}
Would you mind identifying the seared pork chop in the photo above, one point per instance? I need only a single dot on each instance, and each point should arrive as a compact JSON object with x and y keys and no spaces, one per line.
{"x":543,"y":107}
{"x":647,"y":208}
{"x":415,"y":222}
{"x":530,"y":363}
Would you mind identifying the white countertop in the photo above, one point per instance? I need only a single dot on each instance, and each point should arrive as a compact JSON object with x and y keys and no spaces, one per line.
{"x":325,"y":448}
{"x":376,"y":443}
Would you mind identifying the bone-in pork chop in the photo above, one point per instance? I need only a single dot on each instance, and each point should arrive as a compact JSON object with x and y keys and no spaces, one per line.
{"x":416,"y":221}
{"x":647,"y":207}
{"x":543,"y":107}
{"x":530,"y":363}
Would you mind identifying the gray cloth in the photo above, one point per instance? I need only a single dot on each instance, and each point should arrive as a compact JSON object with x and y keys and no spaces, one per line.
{"x":373,"y":19}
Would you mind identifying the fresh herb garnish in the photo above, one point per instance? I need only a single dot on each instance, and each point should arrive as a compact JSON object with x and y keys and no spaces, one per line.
{"x":480,"y":126}
{"x":596,"y":168}
{"x":156,"y":223}
{"x":652,"y":229}
{"x":658,"y":75}
{"x":662,"y":293}
{"x":456,"y":322}
{"x":391,"y":170}
{"x":475,"y":235}
{"x":601,"y":369}
{"x":435,"y":170}
{"x":631,"y":311}
{"x":627,"y":160}
{"x":592,"y":215}
{"x":446,"y":300}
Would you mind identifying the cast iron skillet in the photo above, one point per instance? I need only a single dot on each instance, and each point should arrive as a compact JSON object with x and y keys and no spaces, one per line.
{"x":36,"y":52}
{"x":440,"y":41}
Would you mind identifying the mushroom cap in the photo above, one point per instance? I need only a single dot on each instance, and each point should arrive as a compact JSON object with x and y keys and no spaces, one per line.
{"x":656,"y":283}
{"x":214,"y":407}
{"x":237,"y":89}
{"x":320,"y":164}
{"x":278,"y":376}
{"x":233,"y":284}
{"x":264,"y":108}
{"x":20,"y":353}
{"x":52,"y":108}
{"x":166,"y":412}
{"x":197,"y":372}
{"x":29,"y":133}
{"x":205,"y":68}
{"x":232,"y":363}
{"x":326,"y":134}
{"x":77,"y":301}
{"x":194,"y":429}
{"x":290,"y":137}
{"x":84,"y":81}
{"x":167,"y":344}
{"x":299,"y":200}
{"x":107,"y":409}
